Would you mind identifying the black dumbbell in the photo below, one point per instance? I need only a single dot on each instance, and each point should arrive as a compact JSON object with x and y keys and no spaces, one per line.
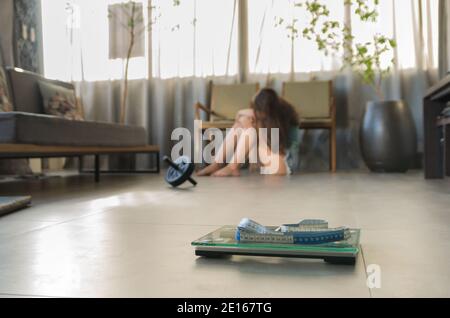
{"x":179,"y":171}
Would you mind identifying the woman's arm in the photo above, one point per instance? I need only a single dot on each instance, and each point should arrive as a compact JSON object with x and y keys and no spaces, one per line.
{"x":246,"y":112}
{"x":246,"y":118}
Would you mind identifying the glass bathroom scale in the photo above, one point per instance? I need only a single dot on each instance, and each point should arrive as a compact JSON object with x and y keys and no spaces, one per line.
{"x":222,"y":243}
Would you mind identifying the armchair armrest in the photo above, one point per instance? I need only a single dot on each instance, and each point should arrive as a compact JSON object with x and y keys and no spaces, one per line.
{"x":200,"y":107}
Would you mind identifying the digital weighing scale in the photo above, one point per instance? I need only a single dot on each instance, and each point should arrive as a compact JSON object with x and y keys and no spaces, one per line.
{"x":222,"y":243}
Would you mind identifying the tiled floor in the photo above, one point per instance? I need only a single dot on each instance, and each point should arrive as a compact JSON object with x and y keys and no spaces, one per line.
{"x":130,"y":236}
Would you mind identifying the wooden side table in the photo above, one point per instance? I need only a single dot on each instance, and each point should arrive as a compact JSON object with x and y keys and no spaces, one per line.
{"x":444,"y":124}
{"x":436,"y":130}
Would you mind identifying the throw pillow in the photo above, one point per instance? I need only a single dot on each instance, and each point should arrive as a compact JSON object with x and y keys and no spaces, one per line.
{"x":5,"y":101}
{"x":60,"y":101}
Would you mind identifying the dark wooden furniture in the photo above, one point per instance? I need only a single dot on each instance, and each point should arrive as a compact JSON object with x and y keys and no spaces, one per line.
{"x":21,"y":151}
{"x":444,"y":127}
{"x":437,"y":131}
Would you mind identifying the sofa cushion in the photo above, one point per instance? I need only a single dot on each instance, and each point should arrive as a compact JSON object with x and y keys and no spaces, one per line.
{"x":5,"y":99}
{"x":22,"y":81}
{"x":59,"y":101}
{"x":26,"y":128}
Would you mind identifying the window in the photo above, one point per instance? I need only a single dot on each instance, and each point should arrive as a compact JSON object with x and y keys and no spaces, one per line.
{"x":196,"y":38}
{"x":200,"y":38}
{"x":272,"y":50}
{"x":76,"y":42}
{"x":407,"y":23}
{"x":269,"y":46}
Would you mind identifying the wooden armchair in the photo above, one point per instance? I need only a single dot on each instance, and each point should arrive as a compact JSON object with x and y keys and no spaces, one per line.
{"x":225,"y":102}
{"x":316,"y":105}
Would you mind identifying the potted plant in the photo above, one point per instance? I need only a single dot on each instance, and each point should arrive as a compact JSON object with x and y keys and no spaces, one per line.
{"x":388,"y":137}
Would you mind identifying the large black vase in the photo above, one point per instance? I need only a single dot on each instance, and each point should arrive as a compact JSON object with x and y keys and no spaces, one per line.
{"x":388,"y":136}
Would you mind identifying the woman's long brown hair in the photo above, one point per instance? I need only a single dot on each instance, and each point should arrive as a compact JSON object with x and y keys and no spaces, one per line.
{"x":274,"y":112}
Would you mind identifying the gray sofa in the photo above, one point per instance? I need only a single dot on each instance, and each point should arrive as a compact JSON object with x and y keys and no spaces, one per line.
{"x":28,"y":133}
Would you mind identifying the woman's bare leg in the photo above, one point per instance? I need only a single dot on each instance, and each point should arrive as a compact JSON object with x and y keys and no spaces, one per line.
{"x":272,"y":163}
{"x":225,"y":151}
{"x":246,"y":147}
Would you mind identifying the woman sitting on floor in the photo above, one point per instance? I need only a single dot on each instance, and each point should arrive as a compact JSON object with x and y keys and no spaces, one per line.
{"x":268,"y":111}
